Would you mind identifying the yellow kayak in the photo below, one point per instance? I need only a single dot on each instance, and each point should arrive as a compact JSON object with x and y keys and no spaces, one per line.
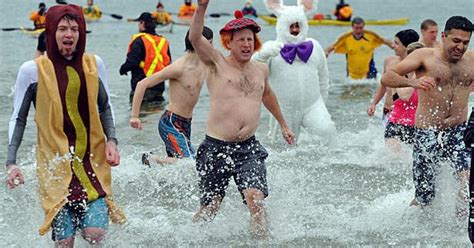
{"x":32,"y":32}
{"x":400,"y":21}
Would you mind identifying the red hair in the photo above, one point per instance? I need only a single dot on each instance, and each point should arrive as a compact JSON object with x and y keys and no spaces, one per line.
{"x":226,"y":37}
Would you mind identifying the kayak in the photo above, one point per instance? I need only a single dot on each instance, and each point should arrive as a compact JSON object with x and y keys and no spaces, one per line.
{"x":32,"y":32}
{"x":400,"y":21}
{"x":92,"y":18}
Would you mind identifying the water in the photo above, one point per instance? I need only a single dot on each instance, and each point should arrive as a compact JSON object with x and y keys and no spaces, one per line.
{"x":350,"y":193}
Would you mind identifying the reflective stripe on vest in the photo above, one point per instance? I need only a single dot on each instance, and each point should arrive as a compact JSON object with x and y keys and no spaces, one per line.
{"x":158,"y":56}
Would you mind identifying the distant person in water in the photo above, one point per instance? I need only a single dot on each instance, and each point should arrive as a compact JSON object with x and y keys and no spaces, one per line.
{"x":249,"y":10}
{"x":429,"y":33}
{"x":359,"y":45}
{"x":343,"y":11}
{"x":186,"y":76}
{"x":444,"y":83}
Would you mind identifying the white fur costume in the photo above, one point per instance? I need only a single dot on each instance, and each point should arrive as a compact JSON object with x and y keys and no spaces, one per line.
{"x":301,"y":88}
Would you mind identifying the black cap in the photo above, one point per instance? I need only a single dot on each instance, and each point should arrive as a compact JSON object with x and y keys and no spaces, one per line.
{"x":145,"y":17}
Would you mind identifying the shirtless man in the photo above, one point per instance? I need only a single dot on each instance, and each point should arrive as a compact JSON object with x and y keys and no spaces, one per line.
{"x":429,"y":33}
{"x":444,"y":76}
{"x":237,"y":88}
{"x":186,"y":76}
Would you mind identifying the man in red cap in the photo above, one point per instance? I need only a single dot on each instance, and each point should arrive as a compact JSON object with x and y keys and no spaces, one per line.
{"x":237,"y":88}
{"x":76,"y":144}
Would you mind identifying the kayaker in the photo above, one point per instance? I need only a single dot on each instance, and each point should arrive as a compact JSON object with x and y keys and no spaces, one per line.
{"x":249,"y":10}
{"x":39,"y":17}
{"x":161,"y":16}
{"x":187,"y":9}
{"x":92,"y":10}
{"x":343,"y":11}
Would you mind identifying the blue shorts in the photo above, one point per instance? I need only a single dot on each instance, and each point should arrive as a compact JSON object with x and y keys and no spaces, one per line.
{"x":75,"y":216}
{"x":175,"y":131}
{"x":430,"y":148}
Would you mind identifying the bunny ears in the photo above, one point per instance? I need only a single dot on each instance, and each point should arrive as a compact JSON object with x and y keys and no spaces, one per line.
{"x":276,"y":6}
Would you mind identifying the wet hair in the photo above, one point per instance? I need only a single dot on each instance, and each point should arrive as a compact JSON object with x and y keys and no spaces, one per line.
{"x":227,"y":36}
{"x":206,"y":32}
{"x":357,"y":20}
{"x":70,"y":17}
{"x":42,"y":5}
{"x":458,"y":22}
{"x":413,"y":46}
{"x":407,"y":36}
{"x":427,"y":23}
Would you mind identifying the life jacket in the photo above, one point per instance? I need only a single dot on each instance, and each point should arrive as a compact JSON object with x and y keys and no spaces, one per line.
{"x":38,"y":20}
{"x":161,"y":17}
{"x":156,"y":52}
{"x":187,"y":11}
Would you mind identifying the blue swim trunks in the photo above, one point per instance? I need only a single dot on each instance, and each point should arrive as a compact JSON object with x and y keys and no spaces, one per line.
{"x":430,"y":148}
{"x":77,"y":215}
{"x":175,"y":131}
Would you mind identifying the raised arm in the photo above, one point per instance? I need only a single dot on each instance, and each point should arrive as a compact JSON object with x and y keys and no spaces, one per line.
{"x":395,"y":77}
{"x":203,"y":48}
{"x":172,"y":71}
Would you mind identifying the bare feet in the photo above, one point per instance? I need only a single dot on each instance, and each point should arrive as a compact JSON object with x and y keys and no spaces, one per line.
{"x":414,"y":203}
{"x":148,"y":157}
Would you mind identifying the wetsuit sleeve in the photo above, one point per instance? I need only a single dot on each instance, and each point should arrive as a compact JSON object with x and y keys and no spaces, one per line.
{"x":323,"y":71}
{"x":469,"y":133}
{"x":41,"y":42}
{"x":106,"y":112}
{"x":25,"y":93}
{"x":136,"y":54}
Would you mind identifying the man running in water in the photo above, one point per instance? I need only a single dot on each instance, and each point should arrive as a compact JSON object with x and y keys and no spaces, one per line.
{"x":185,"y":76}
{"x":237,"y":88}
{"x":444,"y":78}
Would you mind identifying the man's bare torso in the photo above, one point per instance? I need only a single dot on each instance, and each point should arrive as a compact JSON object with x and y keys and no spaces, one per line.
{"x":235,"y":99}
{"x":185,"y":90}
{"x":446,"y":105}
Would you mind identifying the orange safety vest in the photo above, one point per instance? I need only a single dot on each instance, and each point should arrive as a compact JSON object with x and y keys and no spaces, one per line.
{"x":156,"y":52}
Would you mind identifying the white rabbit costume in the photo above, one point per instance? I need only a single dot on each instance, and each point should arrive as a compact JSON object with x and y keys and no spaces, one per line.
{"x":301,"y":86}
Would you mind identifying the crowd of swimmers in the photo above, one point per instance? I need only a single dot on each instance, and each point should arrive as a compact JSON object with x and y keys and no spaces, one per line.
{"x":426,"y":85}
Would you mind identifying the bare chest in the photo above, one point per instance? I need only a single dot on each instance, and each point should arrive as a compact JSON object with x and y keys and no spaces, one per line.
{"x":247,"y":83}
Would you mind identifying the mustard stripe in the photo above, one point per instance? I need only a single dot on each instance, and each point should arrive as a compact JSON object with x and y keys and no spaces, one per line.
{"x":72,"y":97}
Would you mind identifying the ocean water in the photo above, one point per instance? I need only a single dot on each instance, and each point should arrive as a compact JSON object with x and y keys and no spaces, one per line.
{"x":350,"y":192}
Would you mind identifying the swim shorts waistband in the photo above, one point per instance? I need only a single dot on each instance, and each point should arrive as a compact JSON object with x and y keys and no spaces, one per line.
{"x":222,"y":142}
{"x":179,"y":117}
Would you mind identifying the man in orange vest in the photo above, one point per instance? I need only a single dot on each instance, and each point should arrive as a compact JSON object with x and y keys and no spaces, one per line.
{"x":148,"y":53}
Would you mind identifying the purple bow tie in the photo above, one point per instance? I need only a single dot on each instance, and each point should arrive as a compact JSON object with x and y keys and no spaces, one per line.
{"x":303,"y":49}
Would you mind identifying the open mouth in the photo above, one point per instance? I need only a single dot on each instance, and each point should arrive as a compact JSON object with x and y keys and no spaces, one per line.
{"x":246,"y":52}
{"x":68,"y":43}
